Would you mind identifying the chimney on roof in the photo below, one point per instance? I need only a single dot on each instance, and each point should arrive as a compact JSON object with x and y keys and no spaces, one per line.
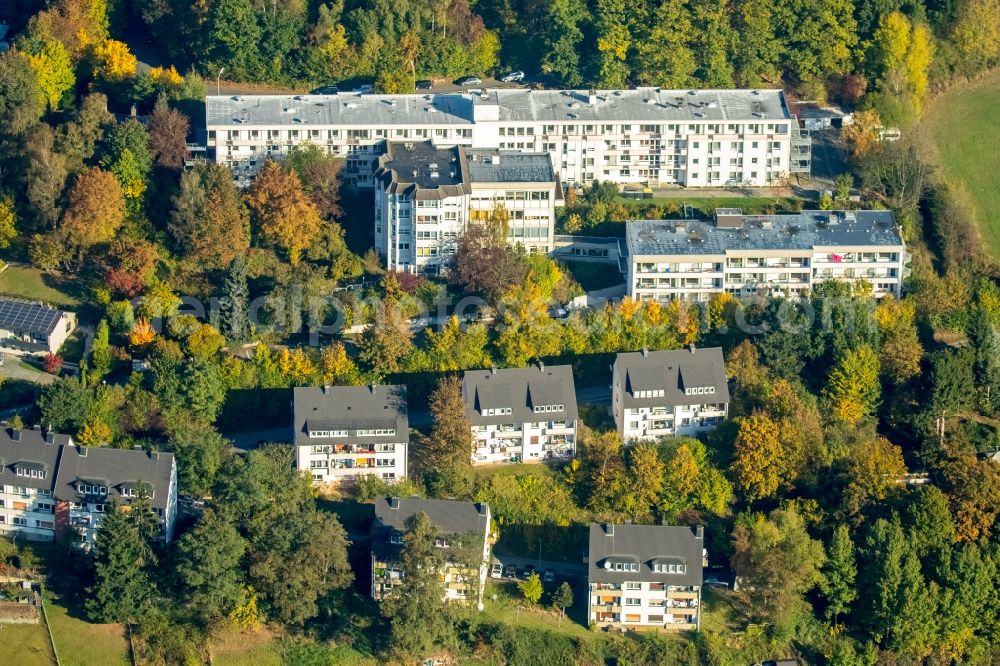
{"x":373,"y":387}
{"x":15,"y":434}
{"x":541,"y":366}
{"x":699,"y":532}
{"x":326,"y":389}
{"x":609,"y":529}
{"x":82,"y":450}
{"x":481,"y":508}
{"x":592,"y":97}
{"x":493,"y":370}
{"x":645,"y":352}
{"x":50,"y":437}
{"x":394,"y":503}
{"x":154,"y":455}
{"x":691,"y":347}
{"x":37,"y":427}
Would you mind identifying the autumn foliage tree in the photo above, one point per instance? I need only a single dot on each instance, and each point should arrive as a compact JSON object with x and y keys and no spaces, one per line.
{"x":853,"y":388}
{"x":209,"y":223}
{"x":759,"y":463}
{"x":168,"y":130}
{"x":113,"y":62}
{"x":95,"y":210}
{"x":283,"y":214}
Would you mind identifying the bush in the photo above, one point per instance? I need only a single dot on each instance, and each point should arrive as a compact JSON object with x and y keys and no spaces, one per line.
{"x":52,"y":363}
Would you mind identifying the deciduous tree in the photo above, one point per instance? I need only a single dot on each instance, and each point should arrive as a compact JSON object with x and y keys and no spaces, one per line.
{"x":759,"y":465}
{"x":446,"y":454}
{"x":21,"y":99}
{"x":284,"y":215}
{"x":853,"y":388}
{"x":95,"y":210}
{"x":209,"y":223}
{"x":209,"y":559}
{"x":168,"y":130}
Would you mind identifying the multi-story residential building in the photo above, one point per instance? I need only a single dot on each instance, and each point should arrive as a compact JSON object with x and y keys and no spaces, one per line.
{"x":660,"y":393}
{"x":463,"y":532}
{"x":521,"y":414}
{"x":51,"y":488}
{"x":645,"y":576}
{"x":427,"y":195}
{"x":32,"y":328}
{"x":745,"y":255}
{"x":696,"y":138}
{"x":344,"y":432}
{"x":91,"y":480}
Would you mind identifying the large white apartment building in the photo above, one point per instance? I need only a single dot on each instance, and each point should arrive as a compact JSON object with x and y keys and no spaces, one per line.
{"x":345,"y":432}
{"x":695,"y":138}
{"x":745,"y":255}
{"x":521,"y":414}
{"x":645,"y":576}
{"x":660,"y":393}
{"x":426,"y":196}
{"x":51,"y":488}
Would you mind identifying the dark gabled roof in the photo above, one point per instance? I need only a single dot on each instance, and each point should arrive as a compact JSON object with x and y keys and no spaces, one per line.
{"x":521,"y":389}
{"x":116,"y":469}
{"x":449,"y":516}
{"x":31,"y":449}
{"x":405,"y":168}
{"x":672,"y":372}
{"x":645,"y":544}
{"x":350,"y":408}
{"x":29,"y":318}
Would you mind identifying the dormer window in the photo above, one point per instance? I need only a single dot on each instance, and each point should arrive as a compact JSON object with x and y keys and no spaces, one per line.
{"x":669,"y":565}
{"x":30,"y":473}
{"x":91,"y":489}
{"x":622,"y":564}
{"x":699,"y":390}
{"x":656,"y":393}
{"x":396,"y":539}
{"x":498,"y":411}
{"x":541,"y":409}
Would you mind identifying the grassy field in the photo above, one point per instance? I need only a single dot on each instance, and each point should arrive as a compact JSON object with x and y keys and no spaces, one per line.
{"x":83,"y":644}
{"x":963,"y":125}
{"x":32,"y":284}
{"x":245,"y":650}
{"x":25,"y":645}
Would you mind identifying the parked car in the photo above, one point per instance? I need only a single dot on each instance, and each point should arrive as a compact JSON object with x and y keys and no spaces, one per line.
{"x":550,"y":576}
{"x":510,"y":571}
{"x":469,"y":81}
{"x":528,"y":570}
{"x":513,"y":77}
{"x":496,"y":571}
{"x":325,"y":90}
{"x":715,"y":581}
{"x":424,"y":84}
{"x":364,"y":89}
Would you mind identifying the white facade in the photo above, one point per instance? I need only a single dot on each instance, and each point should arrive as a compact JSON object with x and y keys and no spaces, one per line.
{"x":530,"y":441}
{"x":28,"y":512}
{"x":328,"y":462}
{"x":695,"y":138}
{"x":662,"y":393}
{"x":645,"y":604}
{"x":778,"y":255}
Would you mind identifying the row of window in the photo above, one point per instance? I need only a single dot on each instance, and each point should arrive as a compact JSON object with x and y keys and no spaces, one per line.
{"x":20,"y":521}
{"x":541,"y":409}
{"x":377,"y":432}
{"x":655,"y":393}
{"x":699,"y":390}
{"x":498,"y":411}
{"x":30,"y":473}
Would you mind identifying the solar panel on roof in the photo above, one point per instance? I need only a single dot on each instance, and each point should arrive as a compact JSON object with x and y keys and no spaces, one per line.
{"x":27,"y":317}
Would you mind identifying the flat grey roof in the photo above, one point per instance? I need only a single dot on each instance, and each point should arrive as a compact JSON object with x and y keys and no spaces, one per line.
{"x":646,"y":544}
{"x":795,"y":231}
{"x":412,"y":163}
{"x":521,"y":389}
{"x":504,"y":166}
{"x":673,"y":371}
{"x":350,"y":408}
{"x":513,"y":105}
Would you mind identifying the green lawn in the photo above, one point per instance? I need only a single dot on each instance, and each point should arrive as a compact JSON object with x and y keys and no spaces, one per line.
{"x":964,"y":125}
{"x":510,"y":608}
{"x":25,"y":645}
{"x":83,"y":644}
{"x":33,"y":284}
{"x":245,"y":650}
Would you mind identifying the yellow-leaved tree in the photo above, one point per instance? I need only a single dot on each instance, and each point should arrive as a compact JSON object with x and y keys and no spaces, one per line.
{"x":8,"y":221}
{"x":54,"y":70}
{"x":113,"y":62}
{"x":760,"y":458}
{"x":853,"y":388}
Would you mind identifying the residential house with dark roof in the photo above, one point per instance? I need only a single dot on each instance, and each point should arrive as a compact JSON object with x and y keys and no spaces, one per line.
{"x":344,"y":432}
{"x":33,"y":328}
{"x":427,"y":195}
{"x":659,"y":393}
{"x":521,"y":414}
{"x":52,"y":488}
{"x":463,"y":532}
{"x":91,"y":480}
{"x":645,"y":576}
